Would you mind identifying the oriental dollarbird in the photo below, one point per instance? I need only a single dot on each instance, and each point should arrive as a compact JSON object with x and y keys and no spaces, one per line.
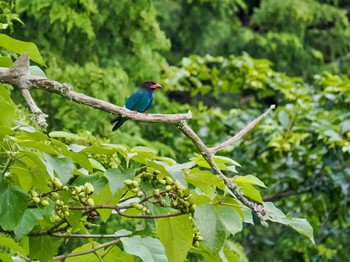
{"x":139,"y":101}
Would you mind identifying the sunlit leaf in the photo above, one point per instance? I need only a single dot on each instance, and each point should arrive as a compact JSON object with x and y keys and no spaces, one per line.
{"x":21,"y":47}
{"x":148,"y":249}
{"x":13,"y":203}
{"x":175,"y":233}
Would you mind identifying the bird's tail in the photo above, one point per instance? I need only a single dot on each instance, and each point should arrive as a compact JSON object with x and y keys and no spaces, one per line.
{"x":119,"y":121}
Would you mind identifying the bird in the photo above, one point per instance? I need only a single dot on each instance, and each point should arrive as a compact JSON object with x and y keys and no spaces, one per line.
{"x":139,"y":101}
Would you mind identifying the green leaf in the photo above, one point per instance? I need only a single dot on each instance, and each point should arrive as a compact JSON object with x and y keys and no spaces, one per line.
{"x":333,"y":135}
{"x":245,"y":183}
{"x":91,"y":257}
{"x":283,"y":118}
{"x":148,"y":249}
{"x":115,"y":254}
{"x":5,"y":61}
{"x":224,"y":163}
{"x":6,"y":108}
{"x":249,"y":179}
{"x":99,"y":150}
{"x":230,"y":219}
{"x":300,"y":225}
{"x":234,"y":252}
{"x":21,"y":47}
{"x":63,"y":134}
{"x":206,"y":181}
{"x":175,"y":233}
{"x":36,"y":71}
{"x":13,"y":203}
{"x":29,"y":220}
{"x":61,"y":165}
{"x":13,"y":246}
{"x":43,"y":248}
{"x":36,"y":145}
{"x":211,"y":228}
{"x":37,"y":169}
{"x":345,"y":126}
{"x":5,"y":257}
{"x":96,"y":165}
{"x":116,"y":179}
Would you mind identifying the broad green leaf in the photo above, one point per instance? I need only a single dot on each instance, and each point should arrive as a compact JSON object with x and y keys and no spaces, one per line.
{"x":13,"y":203}
{"x":106,"y":197}
{"x":224,"y":163}
{"x":6,"y":108}
{"x":28,"y":221}
{"x":44,"y":248}
{"x":246,"y":185}
{"x":37,"y":169}
{"x":5,"y":257}
{"x":24,"y":175}
{"x":250,"y":179}
{"x":205,"y":180}
{"x":148,"y":249}
{"x":63,"y":134}
{"x":115,"y":254}
{"x":11,"y":244}
{"x":62,"y":166}
{"x":80,"y":159}
{"x":300,"y":225}
{"x":21,"y":47}
{"x":5,"y":61}
{"x":91,"y":257}
{"x":210,"y":227}
{"x":74,"y":220}
{"x":116,"y":179}
{"x":234,"y":252}
{"x":175,"y":233}
{"x":36,"y":145}
{"x":99,"y":150}
{"x":230,"y":219}
{"x":207,"y":253}
{"x":96,"y":165}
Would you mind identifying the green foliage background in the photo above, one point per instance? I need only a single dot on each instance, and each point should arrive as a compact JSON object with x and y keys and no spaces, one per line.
{"x":226,"y":61}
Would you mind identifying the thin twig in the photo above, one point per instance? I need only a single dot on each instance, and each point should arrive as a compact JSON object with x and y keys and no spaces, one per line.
{"x":241,"y":133}
{"x":119,"y":208}
{"x":92,"y":250}
{"x":74,"y":235}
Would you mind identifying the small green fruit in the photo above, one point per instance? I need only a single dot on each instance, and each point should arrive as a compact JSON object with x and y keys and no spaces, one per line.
{"x":36,"y":200}
{"x":45,"y":203}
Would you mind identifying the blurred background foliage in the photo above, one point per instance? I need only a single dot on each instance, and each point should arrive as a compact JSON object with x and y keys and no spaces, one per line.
{"x":226,"y":61}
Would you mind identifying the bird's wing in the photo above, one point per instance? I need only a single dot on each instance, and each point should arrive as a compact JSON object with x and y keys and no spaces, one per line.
{"x":133,"y":99}
{"x":150,"y":103}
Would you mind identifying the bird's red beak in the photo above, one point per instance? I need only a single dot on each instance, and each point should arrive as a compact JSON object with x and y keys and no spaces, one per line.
{"x":156,"y":86}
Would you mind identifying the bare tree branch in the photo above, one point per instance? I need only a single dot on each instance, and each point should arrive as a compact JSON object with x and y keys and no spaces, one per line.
{"x":241,"y":133}
{"x":19,"y":76}
{"x":92,"y":250}
{"x":74,"y":235}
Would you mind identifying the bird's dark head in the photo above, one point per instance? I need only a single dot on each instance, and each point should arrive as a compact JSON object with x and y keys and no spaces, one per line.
{"x":149,"y":85}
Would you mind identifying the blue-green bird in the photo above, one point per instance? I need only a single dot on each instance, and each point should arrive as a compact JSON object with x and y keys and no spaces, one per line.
{"x":139,"y":101}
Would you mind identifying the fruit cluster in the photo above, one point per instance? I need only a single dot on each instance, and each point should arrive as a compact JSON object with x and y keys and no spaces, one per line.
{"x":80,"y":193}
